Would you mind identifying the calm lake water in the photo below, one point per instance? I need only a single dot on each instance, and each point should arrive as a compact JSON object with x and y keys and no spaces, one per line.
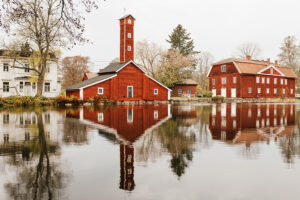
{"x":218,"y":151}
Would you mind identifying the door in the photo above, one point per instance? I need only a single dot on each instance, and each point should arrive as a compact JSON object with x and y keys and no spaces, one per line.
{"x":223,"y":92}
{"x":129,"y":91}
{"x":233,"y":92}
{"x":27,"y":89}
{"x":214,"y":92}
{"x":189,"y":93}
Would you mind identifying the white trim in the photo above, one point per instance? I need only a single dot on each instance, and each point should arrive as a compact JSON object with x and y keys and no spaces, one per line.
{"x":271,"y":66}
{"x":156,"y":93}
{"x":98,"y":82}
{"x":81,"y":93}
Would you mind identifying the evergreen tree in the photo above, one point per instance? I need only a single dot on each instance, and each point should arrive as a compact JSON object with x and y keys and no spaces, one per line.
{"x":180,"y":40}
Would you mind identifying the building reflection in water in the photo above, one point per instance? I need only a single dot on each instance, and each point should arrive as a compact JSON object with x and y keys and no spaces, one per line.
{"x":249,"y":123}
{"x":124,"y":125}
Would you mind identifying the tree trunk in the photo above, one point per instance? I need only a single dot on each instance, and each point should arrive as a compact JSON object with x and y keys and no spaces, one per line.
{"x":41,"y":77}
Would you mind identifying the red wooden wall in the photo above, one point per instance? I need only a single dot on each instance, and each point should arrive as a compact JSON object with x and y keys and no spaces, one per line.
{"x":184,"y":88}
{"x":73,"y":93}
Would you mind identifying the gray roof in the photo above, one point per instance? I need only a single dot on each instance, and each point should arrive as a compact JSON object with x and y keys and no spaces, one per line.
{"x":113,"y":67}
{"x":87,"y":82}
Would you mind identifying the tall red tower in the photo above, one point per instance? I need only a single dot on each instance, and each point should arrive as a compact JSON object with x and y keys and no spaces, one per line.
{"x":126,"y":38}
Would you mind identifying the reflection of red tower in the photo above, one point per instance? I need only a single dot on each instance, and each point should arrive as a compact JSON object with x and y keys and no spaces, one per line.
{"x":126,"y":167}
{"x":126,"y":38}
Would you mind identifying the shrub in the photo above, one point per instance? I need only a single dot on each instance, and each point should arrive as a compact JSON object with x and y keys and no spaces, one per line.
{"x":207,"y":93}
{"x":217,"y":99}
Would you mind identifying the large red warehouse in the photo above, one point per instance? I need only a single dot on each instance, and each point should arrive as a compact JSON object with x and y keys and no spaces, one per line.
{"x":236,"y":77}
{"x":124,"y":80}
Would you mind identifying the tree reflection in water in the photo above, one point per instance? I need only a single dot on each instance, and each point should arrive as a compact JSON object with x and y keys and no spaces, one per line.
{"x":43,"y":180}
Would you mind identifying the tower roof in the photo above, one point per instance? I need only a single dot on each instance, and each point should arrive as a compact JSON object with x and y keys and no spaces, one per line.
{"x":126,"y":16}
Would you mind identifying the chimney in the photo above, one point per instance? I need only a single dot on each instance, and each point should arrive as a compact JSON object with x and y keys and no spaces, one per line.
{"x":276,"y":62}
{"x":248,"y":57}
{"x":268,"y":61}
{"x":262,"y":60}
{"x":126,"y":38}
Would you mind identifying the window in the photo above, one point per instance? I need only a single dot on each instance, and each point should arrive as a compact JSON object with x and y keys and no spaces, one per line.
{"x":155,"y":91}
{"x":257,"y":79}
{"x":179,"y":92}
{"x":268,"y":90}
{"x":5,"y":67}
{"x":129,"y":21}
{"x":258,"y":90}
{"x":213,"y":81}
{"x":268,"y":80}
{"x":249,"y":90}
{"x":33,"y":86}
{"x":129,"y":48}
{"x":47,"y":118}
{"x":292,"y":91}
{"x":281,"y":81}
{"x":275,"y":80}
{"x":27,"y":68}
{"x":129,"y":35}
{"x":5,"y":86}
{"x":188,"y":92}
{"x":129,"y":91}
{"x":155,"y":114}
{"x":129,"y":115}
{"x":224,"y":80}
{"x":6,"y":118}
{"x":100,"y":117}
{"x":234,"y":79}
{"x":263,"y":80}
{"x":283,"y":91}
{"x":286,"y":81}
{"x":21,"y":86}
{"x":223,"y":68}
{"x":47,"y":87}
{"x":100,"y":90}
{"x":275,"y":90}
{"x":271,"y":71}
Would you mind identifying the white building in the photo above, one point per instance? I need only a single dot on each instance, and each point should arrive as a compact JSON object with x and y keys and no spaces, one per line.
{"x":18,"y":81}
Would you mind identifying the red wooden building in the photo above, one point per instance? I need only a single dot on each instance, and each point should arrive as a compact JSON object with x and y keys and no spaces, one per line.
{"x":124,"y":80}
{"x":248,"y":123}
{"x":186,"y":88}
{"x":235,"y":77}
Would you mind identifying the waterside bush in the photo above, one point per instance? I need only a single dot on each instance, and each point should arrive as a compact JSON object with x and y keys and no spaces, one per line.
{"x":59,"y":101}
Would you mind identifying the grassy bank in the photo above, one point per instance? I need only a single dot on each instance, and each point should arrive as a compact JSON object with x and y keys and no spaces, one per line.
{"x":229,"y":100}
{"x":60,"y":101}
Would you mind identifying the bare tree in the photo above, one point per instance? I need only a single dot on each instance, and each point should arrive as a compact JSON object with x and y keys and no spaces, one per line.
{"x":248,"y":49}
{"x":47,"y":25}
{"x":204,"y":60}
{"x":73,"y":69}
{"x":290,"y":53}
{"x":148,"y":54}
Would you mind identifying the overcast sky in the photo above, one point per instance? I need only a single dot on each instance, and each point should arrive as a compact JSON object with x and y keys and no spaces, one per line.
{"x":217,"y":26}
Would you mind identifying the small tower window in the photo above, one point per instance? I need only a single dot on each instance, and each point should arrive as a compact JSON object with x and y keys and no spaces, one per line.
{"x":129,"y":21}
{"x":129,"y":35}
{"x":129,"y":48}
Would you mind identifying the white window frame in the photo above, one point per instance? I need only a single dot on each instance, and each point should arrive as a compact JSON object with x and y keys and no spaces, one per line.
{"x":223,"y":80}
{"x":21,"y":86}
{"x":234,"y":79}
{"x":268,"y":80}
{"x":5,"y":86}
{"x":100,"y":90}
{"x":281,"y":81}
{"x":223,"y":68}
{"x":283,"y":91}
{"x":130,"y":86}
{"x":285,"y":81}
{"x":249,"y":90}
{"x":45,"y":86}
{"x":213,"y":81}
{"x":129,"y":21}
{"x":257,"y":79}
{"x":156,"y":91}
{"x":275,"y":80}
{"x":275,"y":90}
{"x":268,"y":90}
{"x":129,"y":117}
{"x":129,"y":48}
{"x":258,"y":90}
{"x":128,"y":35}
{"x":155,"y":114}
{"x":292,"y":91}
{"x":262,"y":79}
{"x":5,"y":67}
{"x":100,"y":117}
{"x":271,"y":71}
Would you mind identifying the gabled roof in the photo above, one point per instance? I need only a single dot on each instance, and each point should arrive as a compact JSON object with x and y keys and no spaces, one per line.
{"x":187,"y":82}
{"x":92,"y":81}
{"x":245,"y":66}
{"x":125,"y":16}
